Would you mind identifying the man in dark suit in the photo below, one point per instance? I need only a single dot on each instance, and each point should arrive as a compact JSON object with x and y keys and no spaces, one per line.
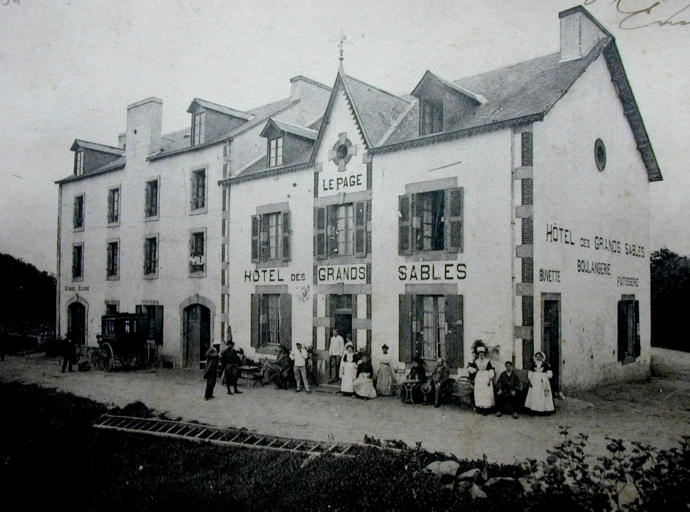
{"x":67,"y":352}
{"x":508,"y":392}
{"x":231,"y":362}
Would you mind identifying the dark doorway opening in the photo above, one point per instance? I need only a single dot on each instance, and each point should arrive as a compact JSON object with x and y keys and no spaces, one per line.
{"x":76,"y":322}
{"x":551,"y":336}
{"x":197,"y":334}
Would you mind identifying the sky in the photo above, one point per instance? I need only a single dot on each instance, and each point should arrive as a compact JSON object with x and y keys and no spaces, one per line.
{"x":69,"y":68}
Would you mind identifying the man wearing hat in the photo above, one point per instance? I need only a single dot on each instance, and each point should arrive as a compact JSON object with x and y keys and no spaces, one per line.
{"x":231,"y":362}
{"x":211,"y":373}
{"x":508,"y":392}
{"x":335,"y":353}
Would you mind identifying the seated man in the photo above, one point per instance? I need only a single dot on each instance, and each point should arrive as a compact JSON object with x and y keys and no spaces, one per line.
{"x":440,"y":381}
{"x":508,"y":392}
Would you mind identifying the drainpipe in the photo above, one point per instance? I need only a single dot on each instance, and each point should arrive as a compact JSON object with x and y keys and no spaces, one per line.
{"x":58,"y":261}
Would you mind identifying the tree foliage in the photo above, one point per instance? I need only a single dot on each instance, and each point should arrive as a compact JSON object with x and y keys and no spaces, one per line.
{"x":670,"y":275}
{"x":29,"y":297}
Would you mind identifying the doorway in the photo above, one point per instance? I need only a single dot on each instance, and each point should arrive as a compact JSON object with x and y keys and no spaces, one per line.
{"x":341,"y":308}
{"x":76,"y":322}
{"x":197,"y":333}
{"x":551,"y":335}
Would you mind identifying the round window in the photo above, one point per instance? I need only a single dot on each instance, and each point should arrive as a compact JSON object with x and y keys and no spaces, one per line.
{"x":600,"y":154}
{"x":342,"y":152}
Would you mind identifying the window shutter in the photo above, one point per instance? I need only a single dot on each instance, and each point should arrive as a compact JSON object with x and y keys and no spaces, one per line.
{"x":74,"y":262}
{"x":622,"y":330}
{"x":526,"y":148}
{"x":286,"y":320}
{"x":255,"y":320}
{"x":110,"y":205}
{"x":454,"y":331}
{"x":331,"y":229}
{"x":416,"y":228}
{"x":158,"y":324}
{"x":405,"y":328}
{"x":636,"y":329}
{"x":320,"y":230}
{"x":255,"y":238}
{"x":454,"y":224}
{"x":74,"y":214}
{"x":286,"y":236}
{"x":138,"y":309}
{"x":368,"y":248}
{"x":417,"y":324}
{"x":147,"y":199}
{"x":360,"y":228}
{"x":404,"y":242}
{"x":263,"y":238}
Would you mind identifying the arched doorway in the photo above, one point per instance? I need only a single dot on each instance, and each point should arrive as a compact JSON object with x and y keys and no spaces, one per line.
{"x":76,"y":322}
{"x":197,"y":333}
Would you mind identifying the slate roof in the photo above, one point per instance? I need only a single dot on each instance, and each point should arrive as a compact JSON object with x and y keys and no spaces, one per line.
{"x":83,"y":144}
{"x":375,"y":109}
{"x":526,"y":89}
{"x":220,"y":108}
{"x":294,"y":129}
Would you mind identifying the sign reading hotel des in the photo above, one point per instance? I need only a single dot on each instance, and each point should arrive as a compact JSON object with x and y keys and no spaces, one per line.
{"x":341,"y":177}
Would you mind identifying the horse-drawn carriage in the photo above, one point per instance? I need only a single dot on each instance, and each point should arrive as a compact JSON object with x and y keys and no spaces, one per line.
{"x":124,"y":341}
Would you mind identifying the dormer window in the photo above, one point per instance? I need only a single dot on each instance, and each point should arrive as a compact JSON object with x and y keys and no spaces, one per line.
{"x":431,"y":118}
{"x":275,"y":152}
{"x":198,"y":128}
{"x":79,"y":163}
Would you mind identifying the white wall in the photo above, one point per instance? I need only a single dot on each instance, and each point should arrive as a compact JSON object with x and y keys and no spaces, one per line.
{"x":481,"y":165}
{"x":569,"y":191}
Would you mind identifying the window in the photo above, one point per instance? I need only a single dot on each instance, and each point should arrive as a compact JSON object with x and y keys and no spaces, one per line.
{"x":628,"y":328}
{"x":343,"y":230}
{"x":78,"y":213}
{"x":431,"y":327}
{"x":151,"y":203}
{"x":600,"y":154}
{"x":197,"y":255}
{"x":113,"y":205}
{"x":271,"y":322}
{"x":113,"y":258}
{"x":198,"y":189}
{"x":111,"y":307}
{"x":431,"y":221}
{"x":154,"y":321}
{"x":79,"y":163}
{"x":151,"y":256}
{"x":271,"y":237}
{"x":198,"y":128}
{"x":77,"y":261}
{"x":275,"y":152}
{"x":431,"y":120}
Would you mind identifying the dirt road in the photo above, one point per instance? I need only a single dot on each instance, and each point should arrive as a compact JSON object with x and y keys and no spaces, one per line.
{"x":657,"y":411}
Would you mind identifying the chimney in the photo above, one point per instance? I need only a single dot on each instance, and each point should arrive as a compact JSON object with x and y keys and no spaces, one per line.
{"x":144,"y":122}
{"x":579,"y":33}
{"x":122,"y":140}
{"x":301,"y":86}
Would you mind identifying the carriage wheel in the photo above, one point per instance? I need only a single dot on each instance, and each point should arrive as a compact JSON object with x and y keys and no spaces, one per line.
{"x":107,"y":357}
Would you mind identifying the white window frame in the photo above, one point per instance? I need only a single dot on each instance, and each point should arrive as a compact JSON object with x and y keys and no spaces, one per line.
{"x":155,"y":216}
{"x":154,"y":273}
{"x":193,"y":200}
{"x":275,"y":151}
{"x":79,"y":277}
{"x":198,"y":127}
{"x":193,"y":258}
{"x":116,"y":275}
{"x":118,"y":210}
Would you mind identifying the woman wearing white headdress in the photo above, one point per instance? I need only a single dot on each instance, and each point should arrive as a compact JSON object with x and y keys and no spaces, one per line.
{"x":539,"y":398}
{"x":348,"y":370}
{"x":483,"y":374}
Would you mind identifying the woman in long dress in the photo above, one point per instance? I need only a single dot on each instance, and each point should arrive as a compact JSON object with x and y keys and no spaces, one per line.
{"x":483,"y":381}
{"x":364,"y":384}
{"x":348,"y":370}
{"x":539,"y":397}
{"x":384,"y":377}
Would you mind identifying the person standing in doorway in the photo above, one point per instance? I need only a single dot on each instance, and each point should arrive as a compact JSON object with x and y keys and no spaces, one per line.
{"x":231,"y":362}
{"x":211,"y":373}
{"x":299,"y":357}
{"x":335,"y":352}
{"x":67,"y":352}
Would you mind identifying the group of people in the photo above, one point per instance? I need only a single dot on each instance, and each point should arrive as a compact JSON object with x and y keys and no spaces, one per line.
{"x":505,"y":394}
{"x":230,"y":361}
{"x":354,"y":371}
